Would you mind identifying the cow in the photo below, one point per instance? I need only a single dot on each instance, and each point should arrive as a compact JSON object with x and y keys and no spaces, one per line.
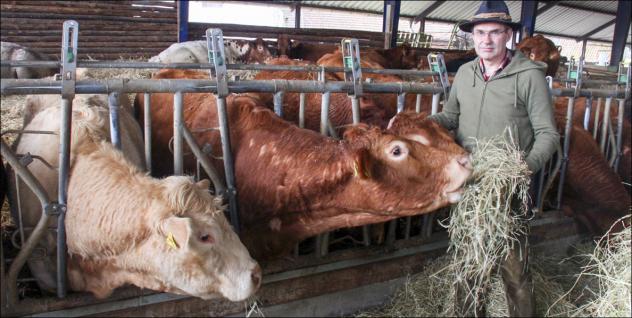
{"x":14,"y":52}
{"x":579,"y":109}
{"x":340,"y":112}
{"x":294,"y":183}
{"x":592,"y":192}
{"x":302,"y":51}
{"x":386,"y":102}
{"x":235,"y":51}
{"x":539,"y":48}
{"x":124,"y":227}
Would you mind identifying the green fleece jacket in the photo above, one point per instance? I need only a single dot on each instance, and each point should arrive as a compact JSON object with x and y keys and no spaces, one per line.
{"x":517,"y":98}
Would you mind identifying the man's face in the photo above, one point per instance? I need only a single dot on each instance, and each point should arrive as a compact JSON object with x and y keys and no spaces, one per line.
{"x":490,"y":40}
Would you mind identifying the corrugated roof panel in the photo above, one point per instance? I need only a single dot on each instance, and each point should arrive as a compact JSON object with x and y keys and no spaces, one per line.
{"x":607,"y":34}
{"x":375,"y":6}
{"x":463,"y":10}
{"x":413,"y":8}
{"x":571,"y":22}
{"x":610,"y":6}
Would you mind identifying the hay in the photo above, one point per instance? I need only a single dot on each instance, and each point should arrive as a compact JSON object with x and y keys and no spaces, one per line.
{"x":610,"y":266}
{"x":430,"y":293}
{"x":252,"y":308}
{"x":486,"y":224}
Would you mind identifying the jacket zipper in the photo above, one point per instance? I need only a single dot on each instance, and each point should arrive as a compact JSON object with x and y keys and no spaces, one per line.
{"x":480,"y":111}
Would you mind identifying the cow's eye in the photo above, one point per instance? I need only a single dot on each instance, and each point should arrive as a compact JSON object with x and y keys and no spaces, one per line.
{"x":206,"y":238}
{"x":396,"y":151}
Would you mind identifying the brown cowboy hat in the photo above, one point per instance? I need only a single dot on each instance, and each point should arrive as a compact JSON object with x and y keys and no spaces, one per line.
{"x":490,"y":11}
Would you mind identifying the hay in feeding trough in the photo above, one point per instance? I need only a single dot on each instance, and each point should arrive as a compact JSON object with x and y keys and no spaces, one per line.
{"x":489,"y":220}
{"x":610,"y":266}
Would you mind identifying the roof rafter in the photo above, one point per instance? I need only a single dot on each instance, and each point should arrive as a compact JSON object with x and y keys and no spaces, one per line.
{"x":594,"y":31}
{"x":428,"y":10}
{"x":547,"y":6}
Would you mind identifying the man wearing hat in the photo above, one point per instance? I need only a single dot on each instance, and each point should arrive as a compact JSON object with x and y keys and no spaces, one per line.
{"x":502,"y":88}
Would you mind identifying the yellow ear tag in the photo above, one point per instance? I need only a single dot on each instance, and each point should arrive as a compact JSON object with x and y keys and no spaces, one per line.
{"x":171,"y":241}
{"x":355,"y":169}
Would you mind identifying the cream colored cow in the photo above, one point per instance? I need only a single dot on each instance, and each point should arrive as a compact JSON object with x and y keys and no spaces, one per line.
{"x":124,"y":227}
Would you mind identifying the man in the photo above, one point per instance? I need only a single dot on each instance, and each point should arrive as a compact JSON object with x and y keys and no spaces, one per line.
{"x":500,"y":89}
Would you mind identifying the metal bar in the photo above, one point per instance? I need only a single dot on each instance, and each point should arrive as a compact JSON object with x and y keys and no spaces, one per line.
{"x":38,"y":86}
{"x":418,"y":103}
{"x":115,"y":131}
{"x":435,"y":103}
{"x":355,"y":109}
{"x":204,"y":161}
{"x":528,"y":16}
{"x":229,"y":169}
{"x":178,"y":122}
{"x":301,"y":110}
{"x":596,"y":30}
{"x":324,"y":112}
{"x":567,"y":143}
{"x":255,"y":67}
{"x":587,"y":112}
{"x":597,"y":115}
{"x":183,"y":20}
{"x":621,"y":27}
{"x":401,"y":101}
{"x":278,"y":103}
{"x":147,"y":128}
{"x":619,"y":135}
{"x":40,"y":228}
{"x":427,"y":11}
{"x":546,"y":7}
{"x":604,"y":127}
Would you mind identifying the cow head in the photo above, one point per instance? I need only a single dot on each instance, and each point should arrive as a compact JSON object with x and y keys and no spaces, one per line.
{"x":402,"y":57}
{"x":198,"y":252}
{"x":411,"y":173}
{"x":259,"y":52}
{"x":283,"y":45}
{"x":539,"y":48}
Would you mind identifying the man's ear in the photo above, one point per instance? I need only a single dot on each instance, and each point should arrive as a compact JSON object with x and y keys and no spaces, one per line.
{"x":203,"y":184}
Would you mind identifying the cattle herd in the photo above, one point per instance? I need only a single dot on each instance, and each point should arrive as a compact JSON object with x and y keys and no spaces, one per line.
{"x":169,"y":233}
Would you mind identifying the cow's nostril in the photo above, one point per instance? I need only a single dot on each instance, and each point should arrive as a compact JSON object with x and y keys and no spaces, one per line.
{"x":256,"y":276}
{"x":465,"y":161}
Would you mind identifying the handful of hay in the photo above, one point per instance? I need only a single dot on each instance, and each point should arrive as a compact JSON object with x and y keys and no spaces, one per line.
{"x":610,"y":266}
{"x":486,"y":224}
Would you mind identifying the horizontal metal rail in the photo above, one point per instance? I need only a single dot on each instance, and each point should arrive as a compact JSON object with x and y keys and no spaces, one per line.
{"x":253,"y":67}
{"x":40,"y":86}
{"x":46,"y":86}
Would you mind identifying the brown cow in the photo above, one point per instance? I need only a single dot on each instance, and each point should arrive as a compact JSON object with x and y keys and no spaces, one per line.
{"x":592,"y":193}
{"x":124,"y":227}
{"x":294,"y":183}
{"x":339,"y":105}
{"x":302,"y":51}
{"x":579,"y":109}
{"x":386,"y":102}
{"x":539,"y":48}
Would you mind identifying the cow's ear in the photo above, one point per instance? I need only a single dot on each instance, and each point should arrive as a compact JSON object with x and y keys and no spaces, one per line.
{"x":177,"y":232}
{"x":554,"y":55}
{"x":203,"y":184}
{"x":362,"y":164}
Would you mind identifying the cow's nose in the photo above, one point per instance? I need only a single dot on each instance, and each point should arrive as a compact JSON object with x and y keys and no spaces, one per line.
{"x":466,"y":161}
{"x":256,"y":276}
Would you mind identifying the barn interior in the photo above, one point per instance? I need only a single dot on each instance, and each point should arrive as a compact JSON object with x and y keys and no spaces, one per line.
{"x":347,"y":270}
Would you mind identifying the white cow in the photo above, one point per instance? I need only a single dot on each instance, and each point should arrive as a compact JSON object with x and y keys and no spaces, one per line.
{"x":124,"y":227}
{"x":15,"y":52}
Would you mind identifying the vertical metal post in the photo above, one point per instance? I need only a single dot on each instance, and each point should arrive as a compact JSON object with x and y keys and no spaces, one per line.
{"x":568,"y":129}
{"x":401,"y":101}
{"x":621,"y":27}
{"x":437,"y":64}
{"x":597,"y":118}
{"x":278,"y":103}
{"x":70,"y":39}
{"x":528,"y":16}
{"x":619,"y":153}
{"x":587,"y":112}
{"x":178,"y":121}
{"x":215,"y":45}
{"x":115,"y":129}
{"x":435,"y":103}
{"x":606,"y":123}
{"x":183,"y":20}
{"x":418,"y":103}
{"x":324,"y":112}
{"x":301,"y":110}
{"x":147,"y":128}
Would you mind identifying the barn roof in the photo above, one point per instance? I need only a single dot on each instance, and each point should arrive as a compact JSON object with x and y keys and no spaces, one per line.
{"x":574,"y":19}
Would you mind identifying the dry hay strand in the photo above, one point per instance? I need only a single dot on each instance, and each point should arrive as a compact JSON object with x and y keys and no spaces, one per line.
{"x":253,"y":308}
{"x":11,"y":112}
{"x":488,"y":221}
{"x":609,"y":266}
{"x":6,"y":221}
